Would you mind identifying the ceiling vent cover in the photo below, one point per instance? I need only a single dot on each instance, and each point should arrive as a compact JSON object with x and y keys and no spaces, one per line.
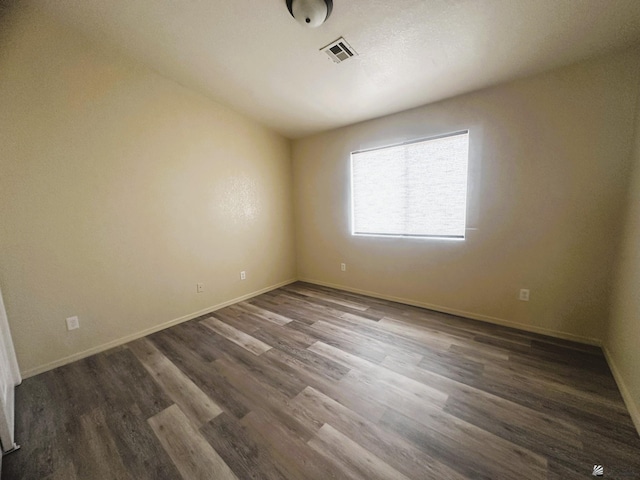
{"x":339,"y":51}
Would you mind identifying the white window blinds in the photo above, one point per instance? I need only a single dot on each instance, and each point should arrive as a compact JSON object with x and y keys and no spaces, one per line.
{"x":416,"y":189}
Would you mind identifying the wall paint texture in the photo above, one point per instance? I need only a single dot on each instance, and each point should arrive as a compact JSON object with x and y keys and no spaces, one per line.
{"x":549,"y":157}
{"x":119,"y":191}
{"x":623,"y":337}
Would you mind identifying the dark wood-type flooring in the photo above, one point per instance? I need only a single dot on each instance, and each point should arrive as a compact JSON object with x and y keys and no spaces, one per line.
{"x":307,"y":382}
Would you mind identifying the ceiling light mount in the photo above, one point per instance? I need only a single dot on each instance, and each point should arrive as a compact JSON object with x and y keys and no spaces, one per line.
{"x":310,"y":13}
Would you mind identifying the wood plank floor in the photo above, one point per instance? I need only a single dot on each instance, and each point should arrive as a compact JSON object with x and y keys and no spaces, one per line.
{"x":307,"y":382}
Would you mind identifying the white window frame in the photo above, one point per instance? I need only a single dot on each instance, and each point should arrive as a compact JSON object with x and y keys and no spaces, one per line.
{"x":405,"y":235}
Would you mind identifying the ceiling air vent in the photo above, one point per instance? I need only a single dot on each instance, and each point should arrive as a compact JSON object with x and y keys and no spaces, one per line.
{"x":339,"y":51}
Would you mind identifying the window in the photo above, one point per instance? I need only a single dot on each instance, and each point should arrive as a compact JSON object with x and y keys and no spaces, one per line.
{"x":417,"y":189}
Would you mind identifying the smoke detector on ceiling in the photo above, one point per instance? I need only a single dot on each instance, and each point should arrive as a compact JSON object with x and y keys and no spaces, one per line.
{"x":339,"y":51}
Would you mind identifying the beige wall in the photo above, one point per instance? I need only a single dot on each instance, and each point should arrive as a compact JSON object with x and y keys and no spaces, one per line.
{"x":622,"y":344}
{"x":548,"y":175}
{"x":119,"y":190}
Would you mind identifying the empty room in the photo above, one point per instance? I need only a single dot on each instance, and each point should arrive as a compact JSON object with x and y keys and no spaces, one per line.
{"x":316,"y":239}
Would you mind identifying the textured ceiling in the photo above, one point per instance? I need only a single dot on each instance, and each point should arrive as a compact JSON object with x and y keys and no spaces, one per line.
{"x":253,"y":57}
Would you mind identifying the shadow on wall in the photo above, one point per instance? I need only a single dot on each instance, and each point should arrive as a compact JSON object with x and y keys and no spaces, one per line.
{"x":5,"y":6}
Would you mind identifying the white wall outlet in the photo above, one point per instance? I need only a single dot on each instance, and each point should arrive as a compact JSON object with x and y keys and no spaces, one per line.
{"x":243,"y":275}
{"x":343,"y":267}
{"x":73,"y":323}
{"x":199,"y":287}
{"x":524,"y":294}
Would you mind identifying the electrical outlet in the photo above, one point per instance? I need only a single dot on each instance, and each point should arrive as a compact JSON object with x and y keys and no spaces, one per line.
{"x":199,"y":287}
{"x":343,"y":267}
{"x":243,"y":275}
{"x":524,"y":294}
{"x":73,"y":323}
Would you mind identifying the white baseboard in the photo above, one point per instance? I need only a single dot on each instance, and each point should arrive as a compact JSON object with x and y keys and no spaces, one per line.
{"x":465,"y":314}
{"x":134,"y":336}
{"x":632,"y":406}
